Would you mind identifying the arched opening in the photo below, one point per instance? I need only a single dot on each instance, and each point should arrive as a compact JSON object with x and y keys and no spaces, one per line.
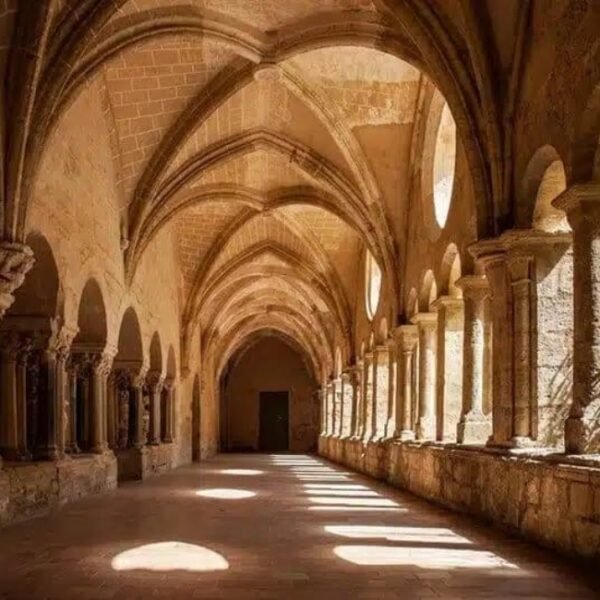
{"x":444,"y":165}
{"x":31,"y":331}
{"x":87,"y":373}
{"x":545,"y":216}
{"x":125,"y":405}
{"x":373,"y":281}
{"x":273,"y":408}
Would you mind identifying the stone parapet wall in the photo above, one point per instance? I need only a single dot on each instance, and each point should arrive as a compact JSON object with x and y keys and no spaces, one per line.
{"x":549,"y":499}
{"x":137,"y":464}
{"x":30,"y":489}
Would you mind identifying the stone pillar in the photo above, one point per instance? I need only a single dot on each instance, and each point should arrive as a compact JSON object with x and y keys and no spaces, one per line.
{"x":407,"y":343}
{"x":330,"y":400}
{"x":72,"y":369}
{"x":137,"y":390}
{"x":154,"y":383}
{"x":382,"y":391}
{"x":450,"y":313}
{"x":369,"y":396}
{"x":9,"y":415}
{"x":101,"y":364}
{"x":22,"y":363}
{"x":427,"y":326}
{"x":582,"y":205}
{"x":323,"y":406}
{"x":169,"y":387}
{"x":348,"y":395}
{"x":112,"y":412}
{"x":474,"y":426}
{"x":356,"y":375}
{"x":490,"y":256}
{"x":337,"y":407}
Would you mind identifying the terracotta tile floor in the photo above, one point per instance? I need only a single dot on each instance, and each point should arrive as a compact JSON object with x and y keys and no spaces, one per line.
{"x":279,"y":526}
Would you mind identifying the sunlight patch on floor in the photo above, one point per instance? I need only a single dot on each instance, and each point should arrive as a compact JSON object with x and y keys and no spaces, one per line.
{"x":225,"y":494}
{"x":170,"y":556}
{"x":398,"y":534}
{"x":425,"y":558}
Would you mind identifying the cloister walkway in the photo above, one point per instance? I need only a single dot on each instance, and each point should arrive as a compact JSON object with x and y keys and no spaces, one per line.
{"x":271,"y":526}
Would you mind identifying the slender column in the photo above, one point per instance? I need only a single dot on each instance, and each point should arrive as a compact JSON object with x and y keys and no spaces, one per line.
{"x":101,"y":364}
{"x":474,"y":425}
{"x":154,"y":382}
{"x":450,"y":333}
{"x":22,"y":360}
{"x":381,"y":366}
{"x":426,"y":424}
{"x":582,"y":205}
{"x":323,"y":406}
{"x":347,"y":402}
{"x":357,"y":399}
{"x":369,"y":396}
{"x":337,"y":406}
{"x":170,"y":407}
{"x":137,"y":389}
{"x":72,"y":369}
{"x":10,"y":413}
{"x":491,"y":259}
{"x":112,"y":416}
{"x":408,"y":338}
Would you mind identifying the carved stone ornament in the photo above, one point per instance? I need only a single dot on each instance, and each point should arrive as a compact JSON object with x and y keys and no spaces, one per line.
{"x":16,"y":260}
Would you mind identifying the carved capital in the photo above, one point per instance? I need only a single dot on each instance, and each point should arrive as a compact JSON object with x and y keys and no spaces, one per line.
{"x":16,"y":260}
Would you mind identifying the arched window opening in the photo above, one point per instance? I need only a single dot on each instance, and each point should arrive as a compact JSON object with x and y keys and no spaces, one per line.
{"x":545,"y":216}
{"x":444,"y":164}
{"x":373,"y":279}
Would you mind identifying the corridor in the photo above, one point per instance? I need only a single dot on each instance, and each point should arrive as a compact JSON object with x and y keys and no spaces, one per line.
{"x":270,"y":526}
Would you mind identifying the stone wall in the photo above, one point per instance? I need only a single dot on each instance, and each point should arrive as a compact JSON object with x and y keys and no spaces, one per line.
{"x":30,"y":489}
{"x":548,"y":499}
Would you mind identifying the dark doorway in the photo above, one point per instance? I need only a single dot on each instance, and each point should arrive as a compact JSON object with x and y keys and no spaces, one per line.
{"x":274,"y":421}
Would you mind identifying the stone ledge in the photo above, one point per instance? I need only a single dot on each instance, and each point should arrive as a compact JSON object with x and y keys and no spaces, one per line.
{"x":544,"y":496}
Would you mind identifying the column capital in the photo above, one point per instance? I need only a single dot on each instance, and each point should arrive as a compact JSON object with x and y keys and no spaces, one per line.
{"x":528,"y":242}
{"x":154,"y":381}
{"x":406,"y":336}
{"x":425,"y":320}
{"x":580,"y":201}
{"x":474,"y":287}
{"x":16,"y":260}
{"x":448,"y":303}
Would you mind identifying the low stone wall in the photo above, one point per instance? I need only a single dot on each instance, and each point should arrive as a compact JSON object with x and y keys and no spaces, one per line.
{"x":136,"y":464}
{"x":29,"y":489}
{"x":551,"y":499}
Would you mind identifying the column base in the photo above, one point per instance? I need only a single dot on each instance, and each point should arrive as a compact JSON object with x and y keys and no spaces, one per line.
{"x":406,"y":435}
{"x":15,"y":455}
{"x":426,"y":429}
{"x":474,"y":428}
{"x":575,"y":436}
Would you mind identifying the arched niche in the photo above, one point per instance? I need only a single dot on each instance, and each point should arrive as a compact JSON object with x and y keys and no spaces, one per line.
{"x":40,"y":295}
{"x":156,"y":362}
{"x":451,"y":272}
{"x":91,"y":316}
{"x":130,"y":349}
{"x":428,"y":293}
{"x":545,"y":179}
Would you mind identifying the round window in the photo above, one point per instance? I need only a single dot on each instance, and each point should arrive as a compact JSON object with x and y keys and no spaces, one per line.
{"x":372,"y":285}
{"x":444,"y":163}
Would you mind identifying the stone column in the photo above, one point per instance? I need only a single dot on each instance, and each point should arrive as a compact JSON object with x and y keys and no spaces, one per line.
{"x":348,"y":395}
{"x":330,"y":400}
{"x":100,"y":369}
{"x":382,"y":392}
{"x":369,"y":396}
{"x":474,"y":426}
{"x":72,"y":368}
{"x":337,"y":407}
{"x":582,"y":205}
{"x":154,"y":382}
{"x":450,"y":332}
{"x":427,"y":325}
{"x":323,"y":407}
{"x":9,"y":415}
{"x":137,"y":390}
{"x":407,"y":342}
{"x":112,"y":419}
{"x":490,"y":256}
{"x":22,"y":362}
{"x":356,"y":375}
{"x":169,"y":387}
